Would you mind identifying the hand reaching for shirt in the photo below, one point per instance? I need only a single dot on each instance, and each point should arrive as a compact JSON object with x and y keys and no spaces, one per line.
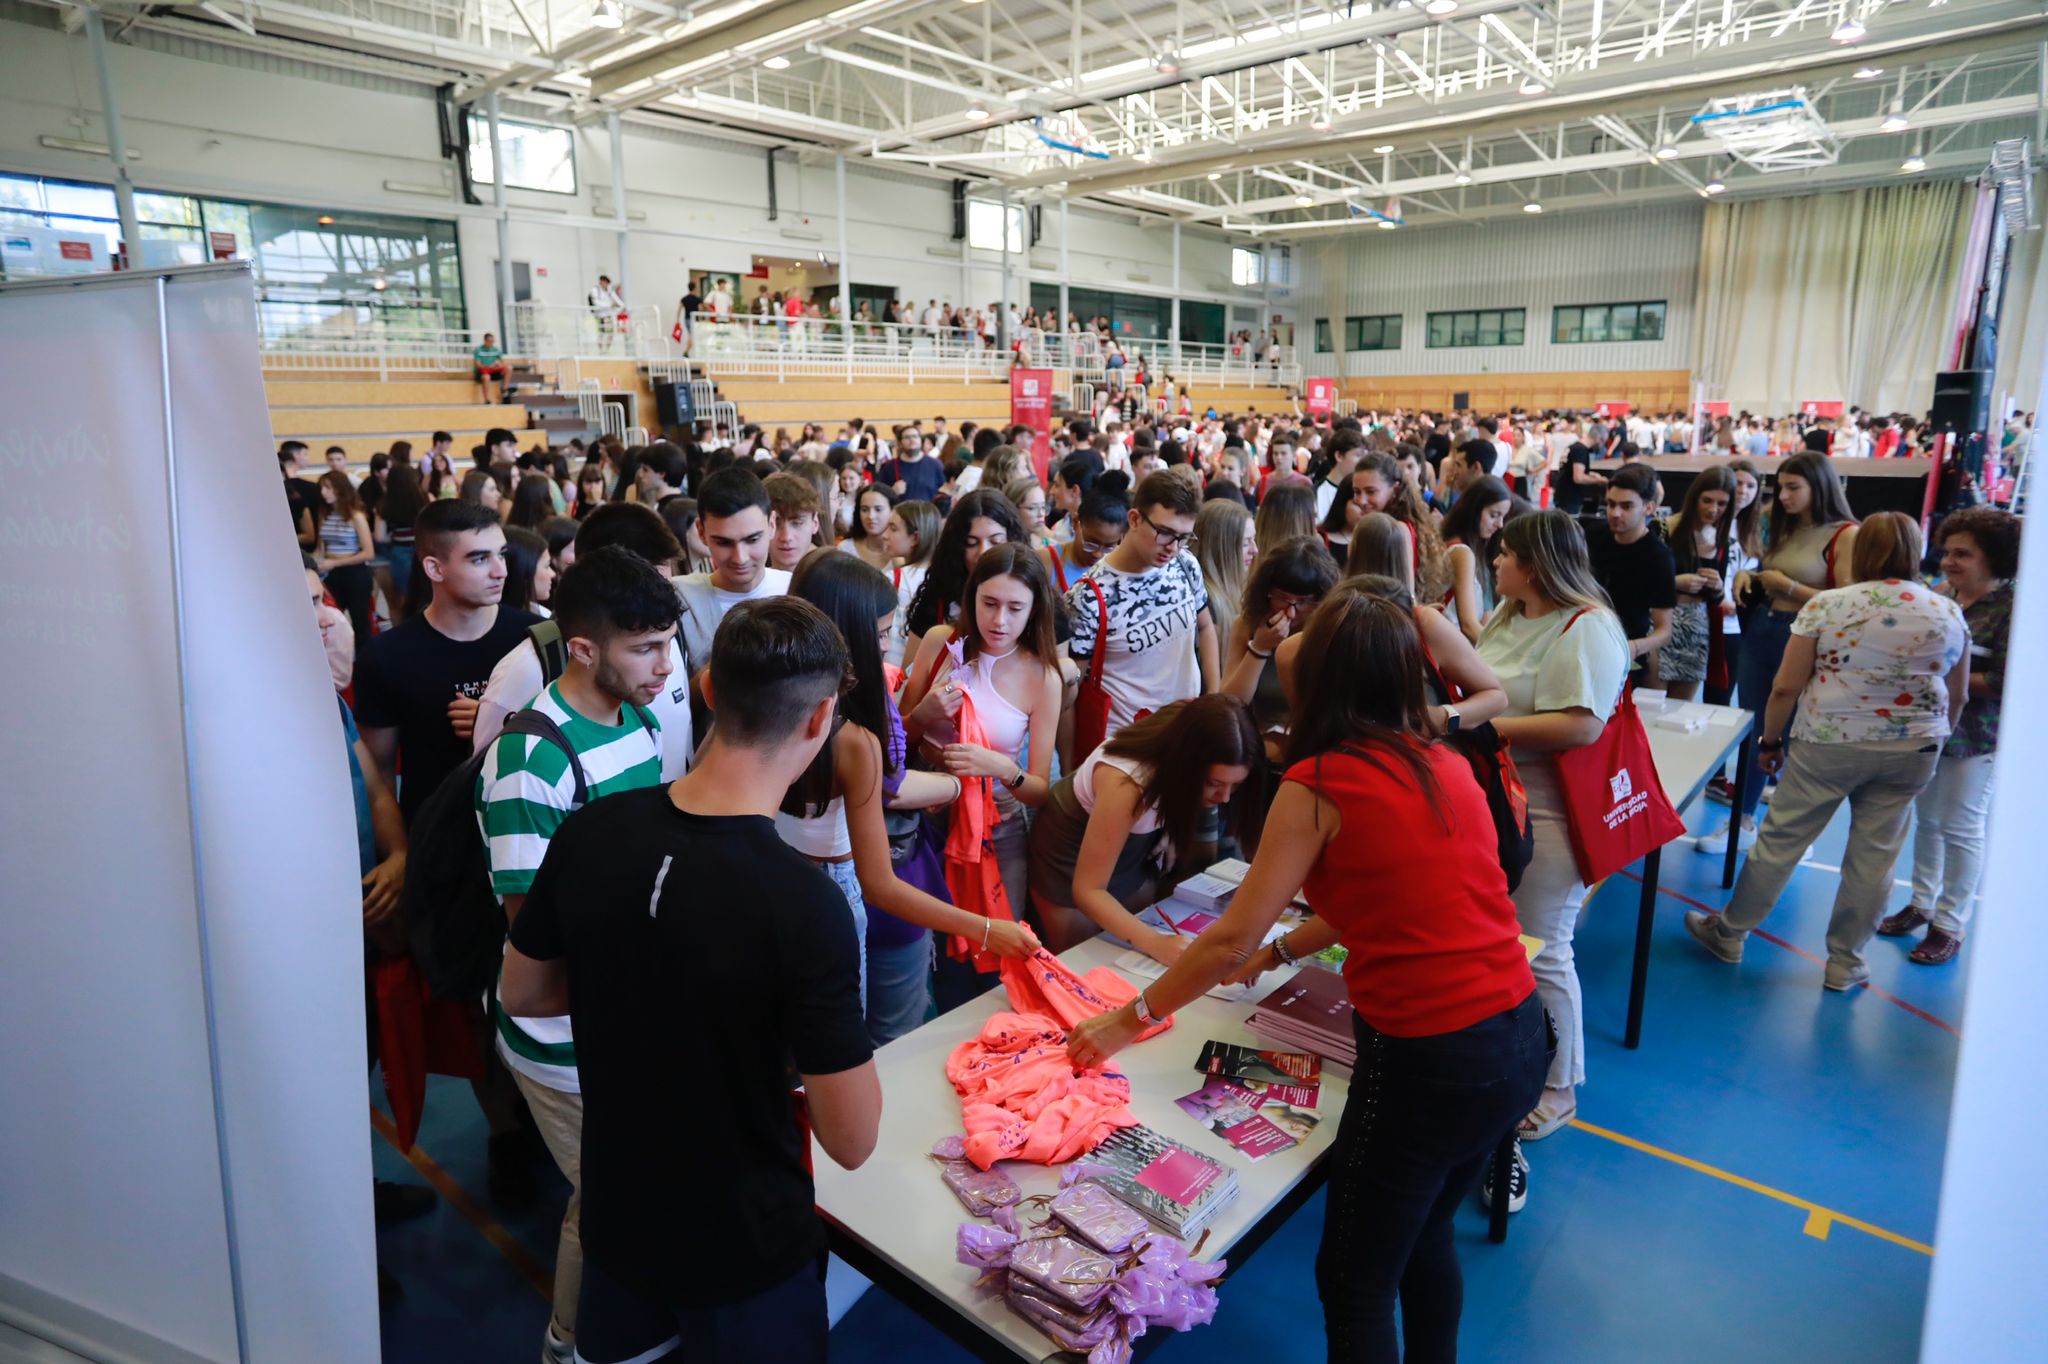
{"x":1007,"y":939}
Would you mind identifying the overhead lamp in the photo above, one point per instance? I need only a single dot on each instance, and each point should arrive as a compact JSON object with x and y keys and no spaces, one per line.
{"x":1464,"y":175}
{"x":1168,"y":64}
{"x":1532,"y":86}
{"x":778,"y":62}
{"x":1320,"y":123}
{"x":325,"y":220}
{"x":977,"y":113}
{"x":1850,"y":30}
{"x":1215,"y":175}
{"x":1714,"y":186}
{"x":1667,"y":152}
{"x":1895,"y":121}
{"x":1914,"y":164}
{"x":1383,"y":149}
{"x":607,"y":14}
{"x":1532,"y":207}
{"x":1304,"y":201}
{"x":1388,"y":224}
{"x":1869,"y":73}
{"x":1440,"y":8}
{"x":1142,"y":154}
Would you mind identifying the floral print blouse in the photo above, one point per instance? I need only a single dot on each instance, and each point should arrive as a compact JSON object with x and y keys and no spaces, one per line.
{"x":1882,"y":655}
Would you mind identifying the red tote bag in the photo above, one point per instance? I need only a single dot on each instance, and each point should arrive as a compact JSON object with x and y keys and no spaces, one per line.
{"x":1615,"y":806}
{"x":1091,"y":702}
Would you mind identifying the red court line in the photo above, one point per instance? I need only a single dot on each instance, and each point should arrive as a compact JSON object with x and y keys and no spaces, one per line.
{"x":1887,"y":996}
{"x":523,"y":1261}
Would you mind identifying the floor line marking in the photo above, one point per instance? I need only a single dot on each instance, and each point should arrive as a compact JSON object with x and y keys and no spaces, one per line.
{"x":1818,"y":1219}
{"x":522,"y":1260}
{"x":1796,"y":949}
{"x":1824,"y":866}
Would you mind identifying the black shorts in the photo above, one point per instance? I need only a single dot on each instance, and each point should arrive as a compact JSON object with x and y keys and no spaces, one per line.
{"x":786,"y":1323}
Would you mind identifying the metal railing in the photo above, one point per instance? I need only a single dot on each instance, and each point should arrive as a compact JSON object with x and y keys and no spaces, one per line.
{"x":371,"y":351}
{"x":562,"y":331}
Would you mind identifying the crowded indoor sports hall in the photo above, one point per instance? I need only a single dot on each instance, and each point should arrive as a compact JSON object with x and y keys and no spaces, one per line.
{"x":1008,"y":680}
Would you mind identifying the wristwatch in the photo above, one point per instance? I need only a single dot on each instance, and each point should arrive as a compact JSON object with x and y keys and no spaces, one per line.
{"x":1452,"y":720}
{"x":1769,"y":745}
{"x":1018,"y":784}
{"x":1286,"y":957}
{"x":1144,"y":1011}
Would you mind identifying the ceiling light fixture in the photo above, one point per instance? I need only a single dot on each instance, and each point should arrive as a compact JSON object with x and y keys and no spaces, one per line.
{"x":1913,"y":164}
{"x":1215,"y":175}
{"x":1667,"y":152}
{"x":1895,"y":121}
{"x":1142,"y":154}
{"x":1532,"y":86}
{"x":1714,"y":186}
{"x":1388,"y":224}
{"x":977,"y":113}
{"x":608,"y":15}
{"x":1304,"y":201}
{"x":1383,"y":148}
{"x":325,"y":220}
{"x":1321,"y":122}
{"x":1440,"y":8}
{"x":1869,"y":73}
{"x":778,"y":62}
{"x":1168,"y":65}
{"x":1464,"y":175}
{"x":1532,"y":207}
{"x":1850,"y":30}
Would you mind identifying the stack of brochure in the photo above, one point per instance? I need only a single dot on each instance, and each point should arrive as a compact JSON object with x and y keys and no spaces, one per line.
{"x":1313,"y":1012}
{"x":1176,"y":1186}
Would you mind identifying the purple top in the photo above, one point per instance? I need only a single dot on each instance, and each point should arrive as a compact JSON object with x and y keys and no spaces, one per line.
{"x":922,"y":867}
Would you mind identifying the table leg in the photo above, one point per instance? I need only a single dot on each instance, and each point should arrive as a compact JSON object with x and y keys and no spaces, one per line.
{"x":1503,"y":1173}
{"x":1639,"y":973}
{"x":1745,"y":772}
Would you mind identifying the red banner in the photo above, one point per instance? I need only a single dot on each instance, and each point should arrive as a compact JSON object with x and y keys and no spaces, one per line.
{"x":75,"y":250}
{"x":1814,"y":408}
{"x":1031,"y":406}
{"x":1613,"y":409}
{"x":1714,"y":409}
{"x":1322,"y":397}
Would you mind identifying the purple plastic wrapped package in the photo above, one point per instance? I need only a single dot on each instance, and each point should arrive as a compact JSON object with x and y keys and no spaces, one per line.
{"x":1006,"y":1218}
{"x":1016,"y":1286}
{"x":1080,"y":1170}
{"x":1166,"y":1288}
{"x":980,"y":1247}
{"x":1099,"y":1217}
{"x":979,"y":1191}
{"x":1071,"y":1270}
{"x":950,"y":1148}
{"x":1101,"y":1328}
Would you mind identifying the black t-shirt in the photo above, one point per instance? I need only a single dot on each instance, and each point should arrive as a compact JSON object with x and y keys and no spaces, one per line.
{"x":1639,"y":578}
{"x":1436,"y":447}
{"x":705,"y":957}
{"x":302,"y":497}
{"x":1817,"y":440}
{"x":921,"y":478}
{"x":405,"y":679}
{"x":692,"y":305}
{"x":1566,"y":491}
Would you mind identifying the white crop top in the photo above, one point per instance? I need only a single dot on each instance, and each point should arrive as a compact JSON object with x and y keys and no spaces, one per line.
{"x":823,"y":836}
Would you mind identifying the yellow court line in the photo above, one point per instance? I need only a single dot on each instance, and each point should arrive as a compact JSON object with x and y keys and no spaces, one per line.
{"x":515,"y":1252}
{"x":1818,"y":1218}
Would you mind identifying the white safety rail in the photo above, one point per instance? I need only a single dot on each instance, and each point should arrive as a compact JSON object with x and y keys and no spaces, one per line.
{"x":555,"y":330}
{"x":591,"y":406}
{"x":371,"y":351}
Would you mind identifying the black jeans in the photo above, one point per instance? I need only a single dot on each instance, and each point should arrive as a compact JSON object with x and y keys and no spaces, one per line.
{"x":1423,"y":1117}
{"x":618,"y":1324}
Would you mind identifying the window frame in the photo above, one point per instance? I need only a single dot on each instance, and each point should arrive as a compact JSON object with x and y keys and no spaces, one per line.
{"x":1253,"y":277}
{"x":1384,"y":325}
{"x":480,"y":136}
{"x":1594,"y":324}
{"x":1014,"y":226}
{"x":1470,"y":328}
{"x":1322,"y":338}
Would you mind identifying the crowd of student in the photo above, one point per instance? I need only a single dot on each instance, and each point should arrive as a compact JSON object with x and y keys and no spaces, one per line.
{"x":775,"y":746}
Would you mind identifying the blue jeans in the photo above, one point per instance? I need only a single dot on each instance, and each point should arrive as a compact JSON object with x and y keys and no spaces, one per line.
{"x":1764,"y":636}
{"x":899,"y":989}
{"x":847,"y":879}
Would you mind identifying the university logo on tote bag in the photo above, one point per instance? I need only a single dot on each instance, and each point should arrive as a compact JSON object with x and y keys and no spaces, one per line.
{"x":1614,"y":803}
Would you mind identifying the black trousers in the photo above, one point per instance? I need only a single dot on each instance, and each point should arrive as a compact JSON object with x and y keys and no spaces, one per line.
{"x":1424,"y":1115}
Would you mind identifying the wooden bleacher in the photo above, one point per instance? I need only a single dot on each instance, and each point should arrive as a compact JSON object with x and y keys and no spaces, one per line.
{"x":1662,"y":390}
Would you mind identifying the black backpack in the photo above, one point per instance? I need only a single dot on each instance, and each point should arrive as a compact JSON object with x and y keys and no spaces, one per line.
{"x":452,"y":917}
{"x":550,"y":648}
{"x":1487,"y":754}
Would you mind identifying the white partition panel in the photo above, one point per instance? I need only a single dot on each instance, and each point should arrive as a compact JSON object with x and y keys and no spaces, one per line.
{"x":186,"y":1165}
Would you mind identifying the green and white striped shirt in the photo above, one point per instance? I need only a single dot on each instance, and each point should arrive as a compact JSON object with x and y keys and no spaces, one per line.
{"x":524,"y":791}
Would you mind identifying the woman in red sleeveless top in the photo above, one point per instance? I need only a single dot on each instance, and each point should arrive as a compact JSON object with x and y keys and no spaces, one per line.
{"x":1389,"y":835}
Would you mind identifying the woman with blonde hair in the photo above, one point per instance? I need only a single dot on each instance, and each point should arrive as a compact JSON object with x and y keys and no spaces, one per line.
{"x":1287,"y":511}
{"x":1559,"y":652}
{"x":1225,"y":548}
{"x":1878,"y":671}
{"x":1380,"y":546}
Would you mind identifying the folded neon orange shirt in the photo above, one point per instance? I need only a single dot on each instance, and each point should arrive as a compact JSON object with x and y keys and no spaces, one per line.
{"x":1021,"y":1100}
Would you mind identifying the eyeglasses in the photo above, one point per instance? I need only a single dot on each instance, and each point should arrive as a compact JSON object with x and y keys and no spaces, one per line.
{"x":1171,"y":539}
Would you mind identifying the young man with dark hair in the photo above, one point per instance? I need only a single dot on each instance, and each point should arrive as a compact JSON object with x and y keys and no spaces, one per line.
{"x":519,"y":677}
{"x":1161,"y":640}
{"x":733,"y":521}
{"x":617,"y":615}
{"x":1467,"y":463}
{"x":1343,"y":451}
{"x":629,"y":928}
{"x":1635,"y":565}
{"x":441,"y":445}
{"x":914,"y":475}
{"x":500,"y":447}
{"x":792,"y":518}
{"x":301,"y":495}
{"x":1575,"y":479}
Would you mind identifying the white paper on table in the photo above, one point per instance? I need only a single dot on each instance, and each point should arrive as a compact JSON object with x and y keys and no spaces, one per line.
{"x":1136,"y":963}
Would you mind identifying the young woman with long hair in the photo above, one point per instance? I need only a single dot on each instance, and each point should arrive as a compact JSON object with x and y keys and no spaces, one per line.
{"x":911,"y":538}
{"x":590,"y":488}
{"x":1010,"y":668}
{"x":1701,"y":540}
{"x":1471,"y":536}
{"x":979,"y":521}
{"x":1809,"y":537}
{"x":532,"y":501}
{"x":1287,"y":511}
{"x":1031,"y":503}
{"x":1559,"y":652}
{"x":403,"y":501}
{"x":1380,"y":545}
{"x":346,"y":549}
{"x":1287,"y":582}
{"x":868,"y":541}
{"x":529,"y":572}
{"x":1745,"y":555}
{"x":441,"y":480}
{"x":833,"y":814}
{"x":1116,"y":831}
{"x":1377,"y":486}
{"x":1224,"y":547}
{"x":1451,"y":1041}
{"x":483,"y":488}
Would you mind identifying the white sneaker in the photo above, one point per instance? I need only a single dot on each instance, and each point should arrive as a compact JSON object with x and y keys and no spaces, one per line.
{"x":1716,"y":843}
{"x":555,"y":1350}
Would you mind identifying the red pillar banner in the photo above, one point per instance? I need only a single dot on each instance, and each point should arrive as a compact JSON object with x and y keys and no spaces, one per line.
{"x":1031,"y":406}
{"x":1322,"y":397}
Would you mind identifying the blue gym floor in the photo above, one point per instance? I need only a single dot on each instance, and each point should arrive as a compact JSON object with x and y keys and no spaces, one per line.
{"x":1701,"y":1221}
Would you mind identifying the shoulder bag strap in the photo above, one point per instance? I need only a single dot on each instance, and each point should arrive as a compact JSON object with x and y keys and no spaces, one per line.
{"x":1829,"y":553}
{"x":532,"y":723}
{"x":1101,"y":631}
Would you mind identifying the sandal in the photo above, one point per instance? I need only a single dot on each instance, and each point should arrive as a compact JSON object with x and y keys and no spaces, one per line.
{"x":1546,"y":1118}
{"x":1936,"y":948}
{"x":1905,"y":923}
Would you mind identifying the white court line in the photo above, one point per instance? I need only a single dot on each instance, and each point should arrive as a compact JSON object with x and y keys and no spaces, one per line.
{"x":1823,"y":866}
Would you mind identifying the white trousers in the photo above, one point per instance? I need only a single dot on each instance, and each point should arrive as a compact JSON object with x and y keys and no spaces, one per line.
{"x":1547,"y":903}
{"x":1948,"y":840}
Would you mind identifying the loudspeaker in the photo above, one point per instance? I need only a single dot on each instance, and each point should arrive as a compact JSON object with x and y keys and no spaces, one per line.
{"x":674,"y":405}
{"x":1962,"y":401}
{"x":959,"y":210}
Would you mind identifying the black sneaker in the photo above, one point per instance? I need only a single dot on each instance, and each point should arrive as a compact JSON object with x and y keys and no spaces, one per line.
{"x":511,"y":1182}
{"x":1518,"y":1182}
{"x":401,"y":1202}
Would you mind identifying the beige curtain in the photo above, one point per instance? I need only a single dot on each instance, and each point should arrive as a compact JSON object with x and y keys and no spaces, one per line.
{"x":1830,"y":296}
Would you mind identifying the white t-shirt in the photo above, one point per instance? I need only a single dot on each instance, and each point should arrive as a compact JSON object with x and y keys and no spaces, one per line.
{"x":516,"y":681}
{"x":909,"y":578}
{"x":1502,"y":454}
{"x":1326,"y":497}
{"x":1543,"y":666}
{"x":1084,"y":786}
{"x":699,"y":626}
{"x":1152,"y":660}
{"x":970,"y":479}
